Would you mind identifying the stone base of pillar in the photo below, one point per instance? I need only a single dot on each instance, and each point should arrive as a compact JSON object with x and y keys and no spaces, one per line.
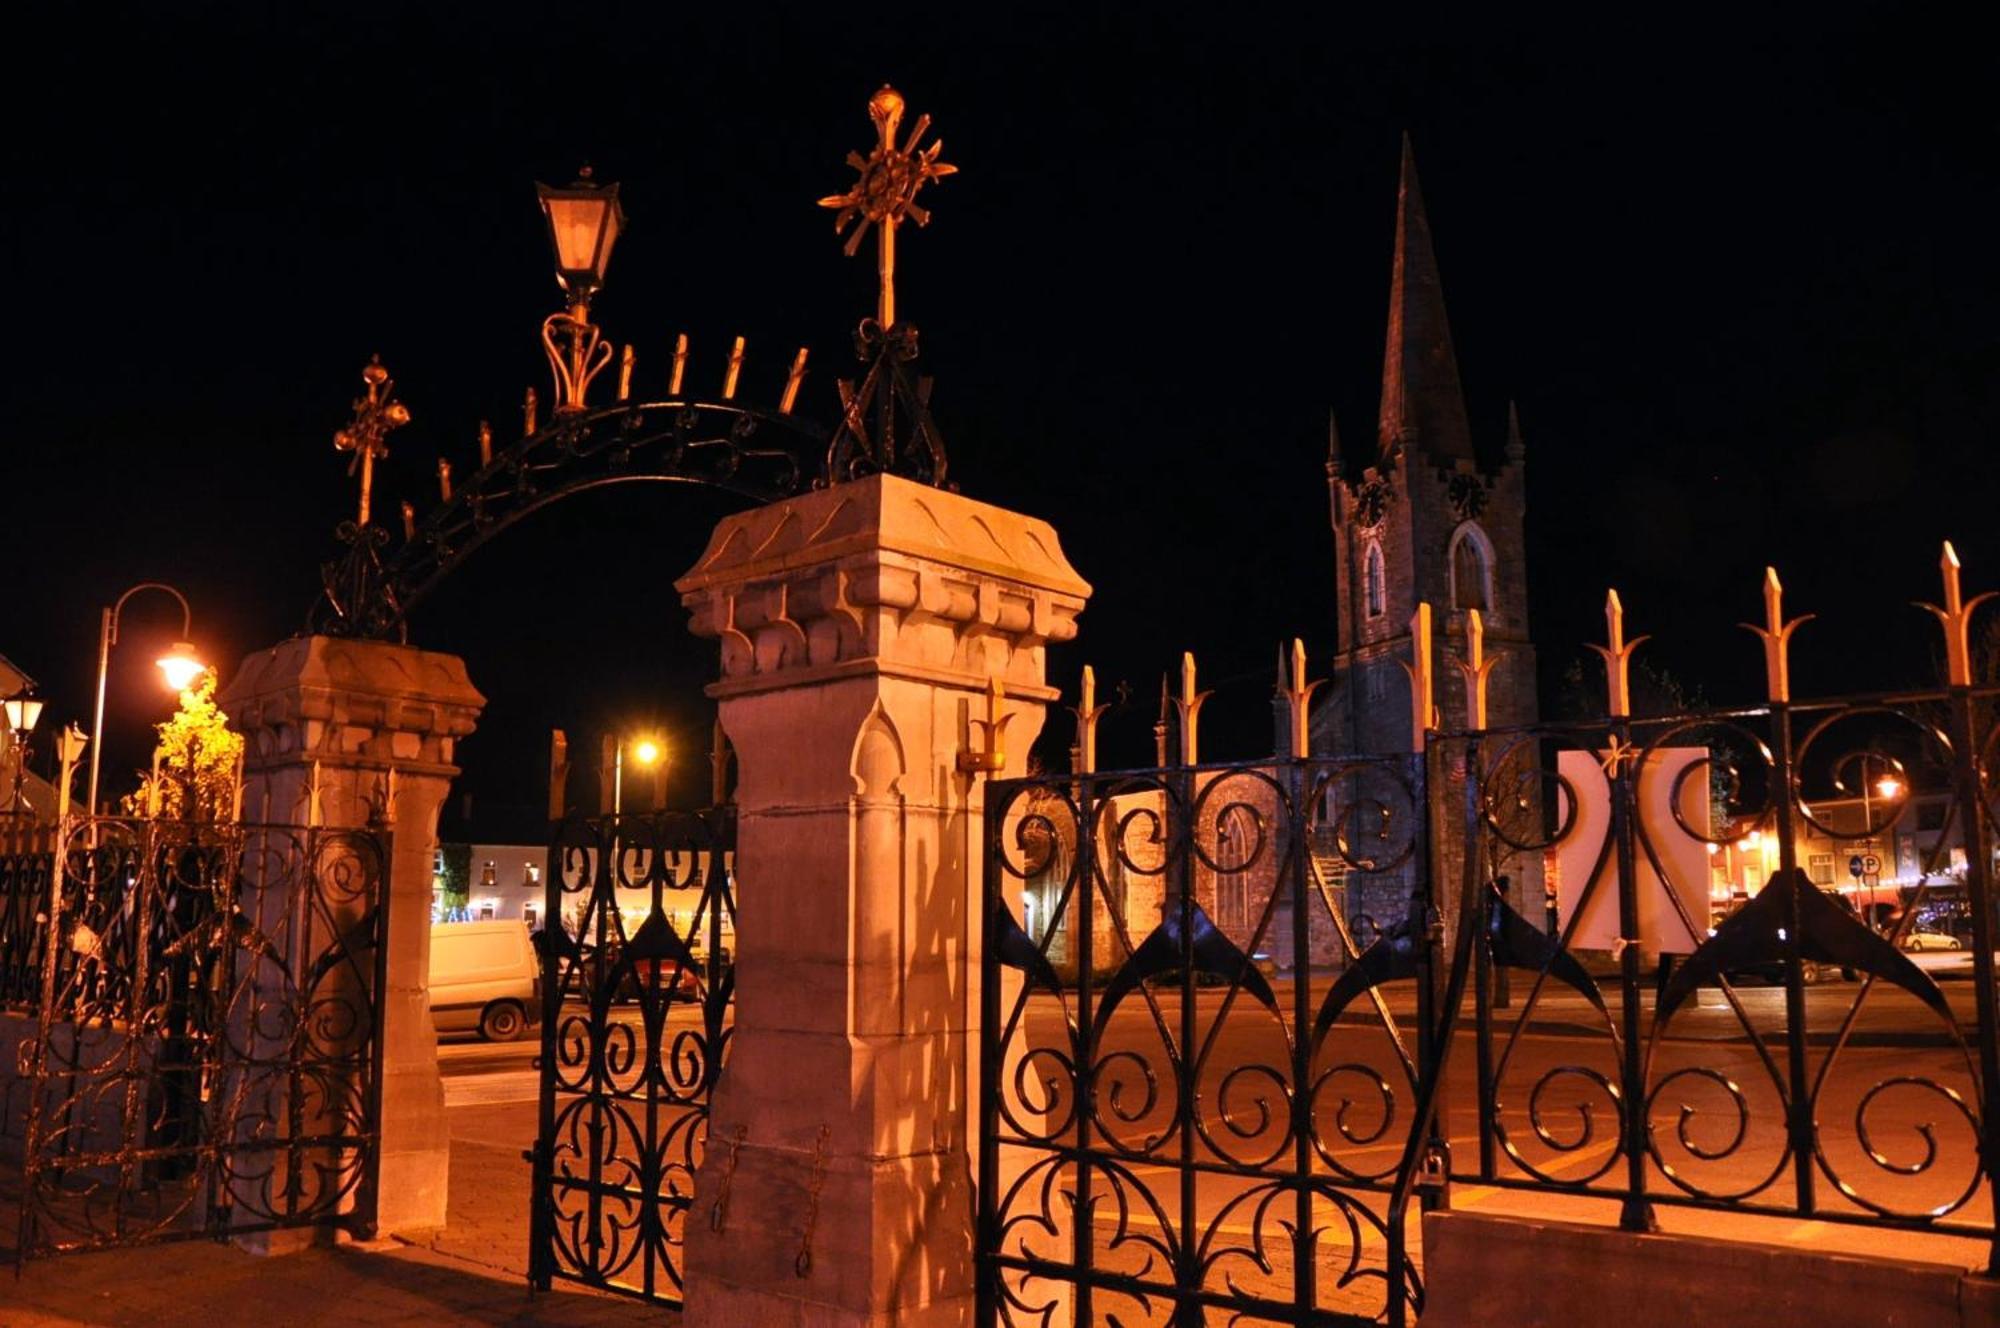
{"x":416,"y":1158}
{"x":890,"y":1244}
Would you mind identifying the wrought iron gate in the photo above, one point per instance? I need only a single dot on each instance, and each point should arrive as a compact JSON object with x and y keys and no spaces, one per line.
{"x":637,"y":979}
{"x":204,"y":1058}
{"x":1184,"y":1115}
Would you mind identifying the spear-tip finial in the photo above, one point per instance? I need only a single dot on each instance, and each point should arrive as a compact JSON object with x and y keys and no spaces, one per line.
{"x":1617,"y":655}
{"x":1776,"y":634}
{"x":1956,"y":619}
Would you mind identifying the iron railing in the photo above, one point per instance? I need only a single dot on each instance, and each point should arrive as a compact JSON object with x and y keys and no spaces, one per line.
{"x":202,"y":1056}
{"x":1572,"y":1003}
{"x":1712,"y":1081}
{"x":637,"y":991}
{"x":1204,"y":1116}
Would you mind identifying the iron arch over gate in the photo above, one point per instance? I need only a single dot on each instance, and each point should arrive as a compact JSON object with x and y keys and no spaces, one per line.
{"x":755,"y":454}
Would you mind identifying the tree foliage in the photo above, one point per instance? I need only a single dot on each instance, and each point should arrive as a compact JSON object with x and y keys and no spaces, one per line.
{"x":196,"y":759}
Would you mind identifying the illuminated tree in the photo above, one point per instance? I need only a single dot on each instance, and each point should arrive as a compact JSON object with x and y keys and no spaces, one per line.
{"x":196,"y":762}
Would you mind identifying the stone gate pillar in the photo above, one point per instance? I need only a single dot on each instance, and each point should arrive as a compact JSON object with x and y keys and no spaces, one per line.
{"x":372,"y":724}
{"x":860,"y":627}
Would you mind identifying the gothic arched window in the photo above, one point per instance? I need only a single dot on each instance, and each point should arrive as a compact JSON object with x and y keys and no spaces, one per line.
{"x":1374,"y":581}
{"x":1471,"y":569}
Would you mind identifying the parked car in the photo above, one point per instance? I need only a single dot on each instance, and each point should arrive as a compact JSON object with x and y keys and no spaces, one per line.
{"x":1921,"y":939}
{"x":484,"y":977}
{"x":677,"y":982}
{"x":1811,"y":971}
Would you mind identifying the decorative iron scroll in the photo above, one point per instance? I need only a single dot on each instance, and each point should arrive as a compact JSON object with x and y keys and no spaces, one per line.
{"x":1717,"y":1084}
{"x":885,"y":423}
{"x":637,"y":985}
{"x":206,"y":1058}
{"x":1167,"y":1129}
{"x":370,"y":590}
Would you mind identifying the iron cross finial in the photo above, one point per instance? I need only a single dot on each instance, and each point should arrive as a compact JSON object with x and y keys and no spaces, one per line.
{"x":365,"y":435}
{"x":885,"y":190}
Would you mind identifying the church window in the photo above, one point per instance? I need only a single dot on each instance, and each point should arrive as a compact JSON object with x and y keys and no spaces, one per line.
{"x":1471,"y":569}
{"x":1375,"y":581}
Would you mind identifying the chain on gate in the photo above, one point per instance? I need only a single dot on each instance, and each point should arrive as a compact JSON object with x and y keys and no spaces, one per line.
{"x":637,"y":986}
{"x":205,"y":1057}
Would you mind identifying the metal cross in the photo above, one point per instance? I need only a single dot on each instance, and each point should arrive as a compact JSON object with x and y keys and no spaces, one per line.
{"x":885,"y":190}
{"x":374,"y":416}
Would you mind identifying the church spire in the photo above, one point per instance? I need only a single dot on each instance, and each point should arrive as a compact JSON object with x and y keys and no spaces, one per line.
{"x":1333,"y":458}
{"x":1422,"y":402}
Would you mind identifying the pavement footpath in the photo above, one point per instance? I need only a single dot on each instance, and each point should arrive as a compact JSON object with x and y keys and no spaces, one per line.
{"x":474,"y":1273}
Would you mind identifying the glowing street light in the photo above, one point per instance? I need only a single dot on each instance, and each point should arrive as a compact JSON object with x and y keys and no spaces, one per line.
{"x":646,"y":752}
{"x":1889,"y":787}
{"x":180,"y":665}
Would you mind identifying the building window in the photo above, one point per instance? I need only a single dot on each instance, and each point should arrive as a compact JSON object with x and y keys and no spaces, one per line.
{"x":1471,"y":569}
{"x":1819,"y":866}
{"x":1375,"y":581}
{"x":528,"y":915}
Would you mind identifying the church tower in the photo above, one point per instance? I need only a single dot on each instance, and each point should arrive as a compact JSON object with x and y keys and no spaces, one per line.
{"x":1425,"y":518}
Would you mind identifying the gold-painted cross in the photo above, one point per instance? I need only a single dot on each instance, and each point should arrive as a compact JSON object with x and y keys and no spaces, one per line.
{"x":365,"y":435}
{"x":885,"y":190}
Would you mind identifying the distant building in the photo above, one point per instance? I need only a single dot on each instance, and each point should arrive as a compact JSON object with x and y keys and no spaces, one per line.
{"x":508,"y":877}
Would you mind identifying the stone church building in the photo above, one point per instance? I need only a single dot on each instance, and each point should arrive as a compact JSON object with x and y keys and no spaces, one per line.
{"x":1431,"y":514}
{"x":1434,"y":514}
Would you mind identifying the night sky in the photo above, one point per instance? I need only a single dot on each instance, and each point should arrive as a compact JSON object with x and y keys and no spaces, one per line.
{"x":1740,"y":277}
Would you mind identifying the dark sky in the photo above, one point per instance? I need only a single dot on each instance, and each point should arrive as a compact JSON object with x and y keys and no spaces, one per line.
{"x":1739,"y":273}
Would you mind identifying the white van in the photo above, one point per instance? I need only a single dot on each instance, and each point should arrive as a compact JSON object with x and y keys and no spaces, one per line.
{"x":484,"y":976}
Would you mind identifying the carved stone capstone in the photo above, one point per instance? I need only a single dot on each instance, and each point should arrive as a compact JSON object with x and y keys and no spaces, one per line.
{"x":357,"y":702}
{"x":883,"y":576}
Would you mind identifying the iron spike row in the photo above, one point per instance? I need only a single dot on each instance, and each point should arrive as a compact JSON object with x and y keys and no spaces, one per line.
{"x":444,"y":480}
{"x":485,"y":444}
{"x":625,"y":362}
{"x":528,"y":414}
{"x":409,"y":521}
{"x":680,"y":365}
{"x":734,"y":371}
{"x":792,"y":382}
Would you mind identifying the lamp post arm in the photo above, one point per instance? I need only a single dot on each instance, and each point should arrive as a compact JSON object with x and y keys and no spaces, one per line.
{"x":111,"y":614}
{"x":107,"y":636}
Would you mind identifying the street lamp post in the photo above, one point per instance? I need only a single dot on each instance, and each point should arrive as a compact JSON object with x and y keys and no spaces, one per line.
{"x":22,"y":713}
{"x":180,"y":665}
